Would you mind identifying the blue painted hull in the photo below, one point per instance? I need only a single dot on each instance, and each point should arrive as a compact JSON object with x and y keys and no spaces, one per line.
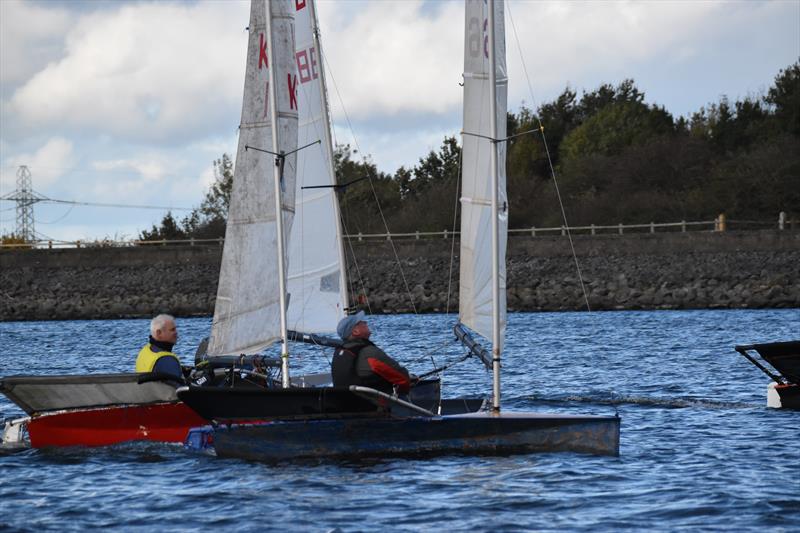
{"x":472,"y":434}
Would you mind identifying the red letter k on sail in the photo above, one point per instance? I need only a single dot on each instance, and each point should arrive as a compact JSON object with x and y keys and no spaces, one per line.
{"x":262,"y":52}
{"x":292,"y":81}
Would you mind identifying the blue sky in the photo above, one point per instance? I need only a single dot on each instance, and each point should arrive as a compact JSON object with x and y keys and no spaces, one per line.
{"x":130,"y":102}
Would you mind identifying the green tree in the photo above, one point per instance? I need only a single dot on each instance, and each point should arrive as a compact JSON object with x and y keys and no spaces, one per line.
{"x":784,"y":99}
{"x":614,"y":127}
{"x":370,"y":196}
{"x":528,"y":177}
{"x":760,"y":182}
{"x":169,"y":229}
{"x":428,"y":199}
{"x":210,"y":219}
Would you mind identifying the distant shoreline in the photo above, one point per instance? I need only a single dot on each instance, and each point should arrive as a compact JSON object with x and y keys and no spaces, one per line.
{"x":696,"y":270}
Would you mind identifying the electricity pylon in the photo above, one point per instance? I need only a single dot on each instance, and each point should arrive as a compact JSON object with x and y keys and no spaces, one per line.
{"x":25,"y":197}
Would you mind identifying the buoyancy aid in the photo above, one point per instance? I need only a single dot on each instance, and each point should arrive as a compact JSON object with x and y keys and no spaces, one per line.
{"x":343,"y":365}
{"x":360,"y":362}
{"x":148,"y":356}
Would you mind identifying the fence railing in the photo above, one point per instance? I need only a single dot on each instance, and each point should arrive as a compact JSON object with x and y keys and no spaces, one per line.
{"x":721,"y":223}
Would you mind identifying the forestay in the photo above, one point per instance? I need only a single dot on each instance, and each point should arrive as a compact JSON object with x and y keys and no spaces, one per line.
{"x":246,"y":314}
{"x":317,"y":287}
{"x":475,"y":292}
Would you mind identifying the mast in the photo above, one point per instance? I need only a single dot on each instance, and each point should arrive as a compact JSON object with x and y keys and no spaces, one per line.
{"x":328,"y":146}
{"x":496,"y":341}
{"x":277,"y":173}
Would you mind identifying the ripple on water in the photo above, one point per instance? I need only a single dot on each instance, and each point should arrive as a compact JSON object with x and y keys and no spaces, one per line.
{"x":698,"y":448}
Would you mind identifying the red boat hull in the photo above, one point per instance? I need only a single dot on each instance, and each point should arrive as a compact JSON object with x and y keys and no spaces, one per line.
{"x":160,"y":422}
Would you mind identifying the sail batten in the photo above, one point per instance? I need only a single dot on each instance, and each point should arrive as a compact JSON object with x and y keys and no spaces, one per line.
{"x":476,"y":256}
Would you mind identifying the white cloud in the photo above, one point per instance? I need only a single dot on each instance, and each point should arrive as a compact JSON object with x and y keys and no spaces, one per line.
{"x":138,"y":97}
{"x":147,"y":71}
{"x":148,"y":169}
{"x":167,"y":177}
{"x":393,"y":57}
{"x":30,"y":37}
{"x":47,"y":164}
{"x":681,"y":48}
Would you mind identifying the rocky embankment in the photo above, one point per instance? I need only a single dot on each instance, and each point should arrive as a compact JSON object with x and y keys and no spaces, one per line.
{"x":652,"y":271}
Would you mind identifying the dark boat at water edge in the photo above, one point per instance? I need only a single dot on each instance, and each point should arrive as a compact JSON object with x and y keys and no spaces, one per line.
{"x":784,"y":358}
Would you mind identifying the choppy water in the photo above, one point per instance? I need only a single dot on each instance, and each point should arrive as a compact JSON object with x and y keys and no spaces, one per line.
{"x":699,"y":449}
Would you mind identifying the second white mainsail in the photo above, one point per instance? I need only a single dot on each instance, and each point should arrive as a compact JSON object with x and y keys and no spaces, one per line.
{"x":475,"y":291}
{"x":247,"y":309}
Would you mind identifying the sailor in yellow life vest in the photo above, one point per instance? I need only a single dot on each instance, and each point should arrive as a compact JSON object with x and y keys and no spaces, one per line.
{"x":156,"y":355}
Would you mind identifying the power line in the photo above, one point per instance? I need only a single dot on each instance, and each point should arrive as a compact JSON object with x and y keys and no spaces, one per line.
{"x":25,"y":198}
{"x":98,"y":204}
{"x":46,"y":200}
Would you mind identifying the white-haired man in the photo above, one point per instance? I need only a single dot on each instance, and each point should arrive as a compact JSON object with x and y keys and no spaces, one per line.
{"x":156,"y":355}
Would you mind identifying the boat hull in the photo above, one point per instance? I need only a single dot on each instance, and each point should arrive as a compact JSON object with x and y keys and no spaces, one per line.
{"x":41,"y":394}
{"x":231,"y":405}
{"x":472,"y":434}
{"x":784,"y":357}
{"x":783,"y":395}
{"x":160,"y":422}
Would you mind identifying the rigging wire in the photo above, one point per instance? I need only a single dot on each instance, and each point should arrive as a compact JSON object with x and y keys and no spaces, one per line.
{"x":353,"y":292}
{"x":98,"y":204}
{"x":352,"y":251}
{"x":430,"y":353}
{"x":457,"y":195}
{"x":455,"y":221}
{"x":59,"y":219}
{"x":374,"y":192}
{"x":550,"y":162}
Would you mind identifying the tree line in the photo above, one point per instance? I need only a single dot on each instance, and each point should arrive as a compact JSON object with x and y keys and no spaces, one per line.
{"x":615,"y":159}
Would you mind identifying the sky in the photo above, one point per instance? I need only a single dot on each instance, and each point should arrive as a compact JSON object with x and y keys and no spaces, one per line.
{"x":130,"y":102}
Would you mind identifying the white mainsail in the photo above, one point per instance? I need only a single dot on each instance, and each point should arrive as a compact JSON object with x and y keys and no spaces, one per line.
{"x":317,"y":286}
{"x":247,"y":310}
{"x":475,"y":291}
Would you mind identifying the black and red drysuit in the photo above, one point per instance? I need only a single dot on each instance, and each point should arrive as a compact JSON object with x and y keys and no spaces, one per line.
{"x":360,"y":362}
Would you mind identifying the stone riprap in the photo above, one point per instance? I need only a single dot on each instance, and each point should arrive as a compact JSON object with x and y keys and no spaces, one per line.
{"x":107,"y":282}
{"x":648,"y":271}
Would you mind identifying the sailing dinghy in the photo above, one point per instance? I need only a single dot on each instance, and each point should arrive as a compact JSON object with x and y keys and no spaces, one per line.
{"x":102,"y":409}
{"x":284,"y":164}
{"x":415,"y":430}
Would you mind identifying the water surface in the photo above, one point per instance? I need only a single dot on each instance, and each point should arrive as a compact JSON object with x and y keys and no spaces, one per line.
{"x":699,"y":449}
